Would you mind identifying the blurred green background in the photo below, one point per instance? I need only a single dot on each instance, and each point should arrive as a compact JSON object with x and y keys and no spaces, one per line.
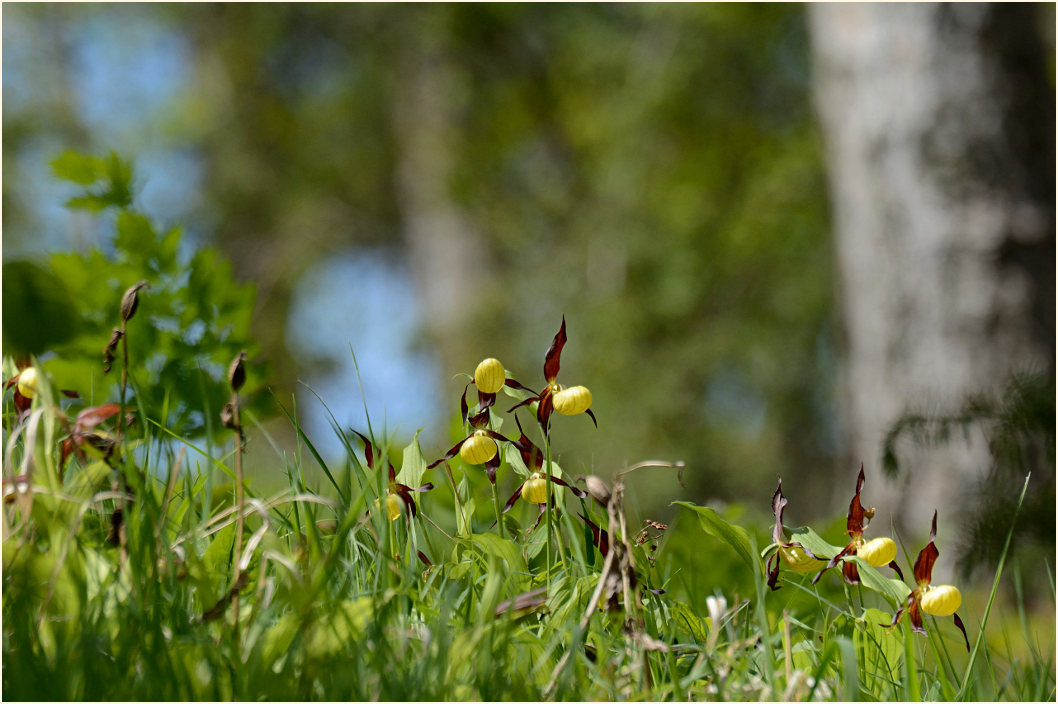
{"x":429,"y":185}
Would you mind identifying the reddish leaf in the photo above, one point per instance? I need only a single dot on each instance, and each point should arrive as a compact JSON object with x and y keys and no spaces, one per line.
{"x":554,"y":353}
{"x":91,"y":417}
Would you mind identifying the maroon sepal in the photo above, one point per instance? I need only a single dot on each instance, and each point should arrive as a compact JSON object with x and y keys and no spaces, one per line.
{"x":854,"y":522}
{"x":778,"y":506}
{"x":773,"y":571}
{"x":491,"y":466}
{"x":600,"y":538}
{"x":423,"y":559}
{"x":540,"y":516}
{"x":926,"y":558}
{"x":896,"y":568}
{"x":545,"y":407}
{"x":915,"y":613}
{"x":580,"y":494}
{"x":516,"y":385}
{"x":850,"y":572}
{"x":834,"y":561}
{"x":958,"y":622}
{"x":554,"y":353}
{"x":450,"y":454}
{"x":592,"y":416}
{"x":511,"y":501}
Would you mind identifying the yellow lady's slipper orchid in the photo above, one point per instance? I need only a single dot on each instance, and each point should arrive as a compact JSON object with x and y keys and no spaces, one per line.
{"x":393,"y":506}
{"x":555,"y":397}
{"x":941,"y":601}
{"x":877,"y":552}
{"x":793,"y":555}
{"x":490,"y":376}
{"x":797,"y":560}
{"x":535,"y":489}
{"x":925,"y":598}
{"x":27,"y":382}
{"x":571,"y":401}
{"x":479,"y":448}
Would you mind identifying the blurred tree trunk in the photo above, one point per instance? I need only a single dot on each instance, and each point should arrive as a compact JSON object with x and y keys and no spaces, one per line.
{"x":939,"y":130}
{"x":446,"y":255}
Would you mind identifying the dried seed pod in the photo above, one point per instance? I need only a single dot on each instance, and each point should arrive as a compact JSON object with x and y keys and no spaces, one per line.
{"x":237,"y":372}
{"x":131,"y":301}
{"x":597,"y":488}
{"x":110,"y":349}
{"x":877,"y":552}
{"x":227,"y":415}
{"x":571,"y":401}
{"x":941,"y":601}
{"x":490,"y":376}
{"x":479,"y":448}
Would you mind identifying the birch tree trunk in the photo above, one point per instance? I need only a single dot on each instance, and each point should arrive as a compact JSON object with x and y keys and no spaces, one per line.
{"x":445,"y":251}
{"x":938,"y":122}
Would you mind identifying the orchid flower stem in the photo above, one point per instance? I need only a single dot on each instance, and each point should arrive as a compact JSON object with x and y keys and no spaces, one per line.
{"x":240,"y":442}
{"x":547,"y":485}
{"x":496,"y":504}
{"x":459,"y":504}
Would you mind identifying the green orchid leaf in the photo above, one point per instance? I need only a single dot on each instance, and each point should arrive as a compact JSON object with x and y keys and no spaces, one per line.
{"x":735,"y":536}
{"x":811,"y":541}
{"x":893,"y":589}
{"x":414,"y":465}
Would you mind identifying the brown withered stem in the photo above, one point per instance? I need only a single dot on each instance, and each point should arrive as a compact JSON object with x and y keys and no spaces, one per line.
{"x":230,"y":417}
{"x":130,"y":302}
{"x":618,"y":579}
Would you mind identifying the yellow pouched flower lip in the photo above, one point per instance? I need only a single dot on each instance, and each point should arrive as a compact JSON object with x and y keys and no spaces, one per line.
{"x":535,"y":489}
{"x":393,"y":506}
{"x":799,"y":561}
{"x":940,"y":601}
{"x":490,"y":376}
{"x":877,"y":552}
{"x":479,"y":448}
{"x":27,"y":382}
{"x":571,"y":401}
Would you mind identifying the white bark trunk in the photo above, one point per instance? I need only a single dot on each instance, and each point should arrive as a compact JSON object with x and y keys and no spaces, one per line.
{"x":930,"y":197}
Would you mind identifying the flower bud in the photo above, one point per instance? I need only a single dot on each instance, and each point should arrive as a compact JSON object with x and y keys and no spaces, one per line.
{"x":490,"y":376}
{"x":27,"y":382}
{"x":799,"y":561}
{"x":535,"y":489}
{"x":877,"y":552}
{"x":571,"y":401}
{"x":479,"y":448}
{"x":940,"y":601}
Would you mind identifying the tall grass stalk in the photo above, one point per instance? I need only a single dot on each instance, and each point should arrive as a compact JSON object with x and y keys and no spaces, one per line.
{"x":965,"y":688}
